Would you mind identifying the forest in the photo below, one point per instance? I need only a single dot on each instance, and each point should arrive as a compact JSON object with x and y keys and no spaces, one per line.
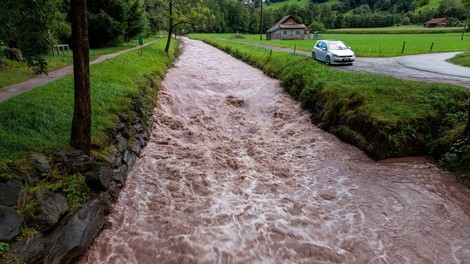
{"x":32,"y":26}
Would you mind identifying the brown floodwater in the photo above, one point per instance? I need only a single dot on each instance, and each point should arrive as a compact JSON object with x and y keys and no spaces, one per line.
{"x":236,"y":173}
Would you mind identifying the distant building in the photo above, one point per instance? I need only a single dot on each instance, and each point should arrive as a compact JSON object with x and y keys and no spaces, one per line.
{"x":287,"y":28}
{"x":436,"y":22}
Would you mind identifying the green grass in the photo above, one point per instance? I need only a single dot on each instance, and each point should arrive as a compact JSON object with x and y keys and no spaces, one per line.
{"x":383,"y":116}
{"x":40,"y":120}
{"x":278,"y":5}
{"x":16,"y":72}
{"x":462,"y":59}
{"x":373,"y":45}
{"x":409,"y":29}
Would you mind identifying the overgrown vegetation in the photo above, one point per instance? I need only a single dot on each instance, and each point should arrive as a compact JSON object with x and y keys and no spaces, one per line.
{"x":383,"y":116}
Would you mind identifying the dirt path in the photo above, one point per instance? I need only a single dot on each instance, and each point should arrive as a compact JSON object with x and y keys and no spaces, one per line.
{"x":15,"y":89}
{"x":236,"y":173}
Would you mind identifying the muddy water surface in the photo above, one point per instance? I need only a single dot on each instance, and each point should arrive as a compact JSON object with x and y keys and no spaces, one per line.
{"x":236,"y":173}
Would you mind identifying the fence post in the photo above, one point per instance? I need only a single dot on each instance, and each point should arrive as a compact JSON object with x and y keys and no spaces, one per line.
{"x":270,"y":54}
{"x":403,"y":48}
{"x":432,"y":44}
{"x":295,"y":47}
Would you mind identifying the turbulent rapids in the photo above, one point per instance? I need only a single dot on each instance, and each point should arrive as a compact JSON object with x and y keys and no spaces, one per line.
{"x":236,"y":173}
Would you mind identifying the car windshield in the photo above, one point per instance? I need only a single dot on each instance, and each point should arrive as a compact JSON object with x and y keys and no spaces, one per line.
{"x":337,"y":46}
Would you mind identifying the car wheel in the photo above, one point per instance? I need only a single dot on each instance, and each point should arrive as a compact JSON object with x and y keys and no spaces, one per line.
{"x":314,"y":56}
{"x":328,"y":60}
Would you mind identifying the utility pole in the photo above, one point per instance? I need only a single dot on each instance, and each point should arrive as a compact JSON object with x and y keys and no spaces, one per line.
{"x":261,"y":22}
{"x":466,"y":22}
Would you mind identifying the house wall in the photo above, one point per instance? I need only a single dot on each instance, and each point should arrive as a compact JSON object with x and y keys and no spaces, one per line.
{"x":288,"y":34}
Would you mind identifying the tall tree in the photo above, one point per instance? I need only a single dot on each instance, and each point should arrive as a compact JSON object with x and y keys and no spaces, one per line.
{"x":183,"y":12}
{"x":81,"y":123}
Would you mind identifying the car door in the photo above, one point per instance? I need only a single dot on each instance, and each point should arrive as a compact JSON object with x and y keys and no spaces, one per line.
{"x":319,"y":51}
{"x":322,"y":49}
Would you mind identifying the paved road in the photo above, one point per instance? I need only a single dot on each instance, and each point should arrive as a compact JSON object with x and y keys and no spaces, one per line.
{"x":432,"y":67}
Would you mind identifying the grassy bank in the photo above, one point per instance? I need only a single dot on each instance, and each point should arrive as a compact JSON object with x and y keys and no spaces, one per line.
{"x":124,"y":91}
{"x":14,"y":72}
{"x":462,"y":59}
{"x":40,"y":120}
{"x":371,"y":45}
{"x":383,"y":116}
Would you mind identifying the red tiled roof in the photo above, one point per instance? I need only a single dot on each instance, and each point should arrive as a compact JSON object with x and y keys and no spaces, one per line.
{"x":437,"y":20}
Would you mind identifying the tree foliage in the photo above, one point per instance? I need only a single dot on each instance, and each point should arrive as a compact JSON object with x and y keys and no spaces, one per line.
{"x":181,"y":14}
{"x":32,"y":26}
{"x":114,"y":21}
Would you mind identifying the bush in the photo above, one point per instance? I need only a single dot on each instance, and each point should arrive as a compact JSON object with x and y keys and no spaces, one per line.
{"x":457,"y":158}
{"x":316,"y":26}
{"x":238,"y":36}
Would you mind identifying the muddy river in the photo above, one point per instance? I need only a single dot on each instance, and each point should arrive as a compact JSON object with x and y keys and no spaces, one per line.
{"x":236,"y":173}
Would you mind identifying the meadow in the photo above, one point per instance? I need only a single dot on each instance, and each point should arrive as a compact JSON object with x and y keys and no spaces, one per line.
{"x":278,"y":5}
{"x":15,"y":72}
{"x":371,"y":45}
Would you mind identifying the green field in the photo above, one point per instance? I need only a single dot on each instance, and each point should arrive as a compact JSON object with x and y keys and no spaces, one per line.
{"x":409,"y":29}
{"x":289,"y":2}
{"x":373,"y":45}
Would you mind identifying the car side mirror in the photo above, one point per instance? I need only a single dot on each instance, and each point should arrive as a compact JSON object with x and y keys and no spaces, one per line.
{"x":324,"y":49}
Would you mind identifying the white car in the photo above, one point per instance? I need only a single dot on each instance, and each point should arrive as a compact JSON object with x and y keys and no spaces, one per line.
{"x":333,"y":52}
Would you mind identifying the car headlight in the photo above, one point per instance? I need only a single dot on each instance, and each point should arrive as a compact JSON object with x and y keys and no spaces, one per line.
{"x":334,"y":55}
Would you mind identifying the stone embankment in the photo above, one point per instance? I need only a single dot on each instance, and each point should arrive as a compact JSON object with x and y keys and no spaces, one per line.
{"x":60,"y":234}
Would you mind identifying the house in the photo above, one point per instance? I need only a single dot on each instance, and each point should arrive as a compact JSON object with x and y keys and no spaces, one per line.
{"x":436,"y":22}
{"x":287,"y":28}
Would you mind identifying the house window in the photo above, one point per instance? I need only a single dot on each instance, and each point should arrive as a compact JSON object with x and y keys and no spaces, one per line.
{"x":297,"y":32}
{"x":285,"y":32}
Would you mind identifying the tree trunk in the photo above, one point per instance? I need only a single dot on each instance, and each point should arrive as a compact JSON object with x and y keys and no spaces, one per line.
{"x":261,"y":23}
{"x":466,"y":131}
{"x":170,"y":27}
{"x":81,"y":123}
